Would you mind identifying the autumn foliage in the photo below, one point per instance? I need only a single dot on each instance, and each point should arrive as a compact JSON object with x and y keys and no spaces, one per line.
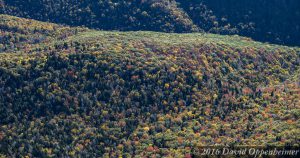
{"x":73,"y":92}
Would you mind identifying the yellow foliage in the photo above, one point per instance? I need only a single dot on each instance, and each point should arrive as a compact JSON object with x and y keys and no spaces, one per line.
{"x":172,"y":69}
{"x":190,"y":114}
{"x":165,"y":102}
{"x":167,"y":85}
{"x":215,"y":96}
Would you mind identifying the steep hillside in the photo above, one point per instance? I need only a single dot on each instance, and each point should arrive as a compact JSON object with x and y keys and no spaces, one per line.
{"x":274,"y":21}
{"x":78,"y":92}
{"x":154,"y":15}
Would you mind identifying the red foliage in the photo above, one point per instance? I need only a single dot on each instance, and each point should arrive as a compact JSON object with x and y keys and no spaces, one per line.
{"x":187,"y":156}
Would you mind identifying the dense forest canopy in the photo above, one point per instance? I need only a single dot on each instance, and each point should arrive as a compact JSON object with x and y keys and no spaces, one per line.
{"x":77,"y":92}
{"x":173,"y":76}
{"x":275,"y":21}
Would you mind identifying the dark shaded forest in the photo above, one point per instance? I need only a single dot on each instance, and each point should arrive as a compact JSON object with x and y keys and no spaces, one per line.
{"x":275,"y":21}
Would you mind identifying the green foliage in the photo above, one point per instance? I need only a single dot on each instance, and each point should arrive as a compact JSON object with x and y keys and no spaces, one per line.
{"x":161,"y":15}
{"x":95,"y":93}
{"x":275,"y":22}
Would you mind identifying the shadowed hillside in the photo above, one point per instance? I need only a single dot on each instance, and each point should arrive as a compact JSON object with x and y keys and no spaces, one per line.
{"x":276,"y":21}
{"x":154,"y":15}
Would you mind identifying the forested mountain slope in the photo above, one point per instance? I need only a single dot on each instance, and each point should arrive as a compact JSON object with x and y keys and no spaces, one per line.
{"x":275,"y":21}
{"x":68,"y":91}
{"x":154,"y":15}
